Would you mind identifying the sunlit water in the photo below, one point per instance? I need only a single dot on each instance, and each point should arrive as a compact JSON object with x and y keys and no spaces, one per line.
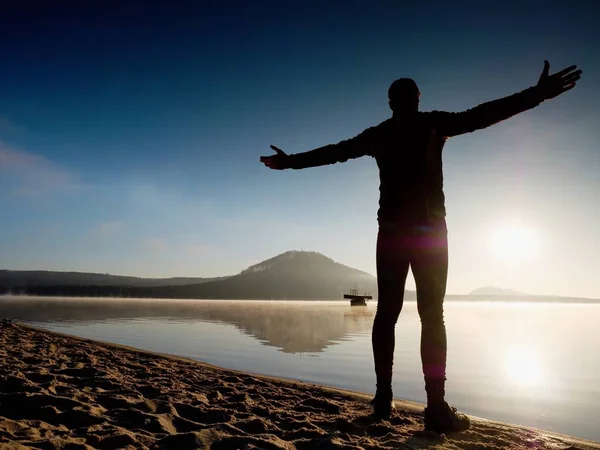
{"x":531,"y":364}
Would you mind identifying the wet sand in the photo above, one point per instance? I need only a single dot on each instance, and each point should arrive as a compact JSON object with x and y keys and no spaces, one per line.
{"x":62,"y":392}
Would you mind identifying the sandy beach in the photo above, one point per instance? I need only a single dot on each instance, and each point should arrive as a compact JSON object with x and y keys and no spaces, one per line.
{"x":61,"y":392}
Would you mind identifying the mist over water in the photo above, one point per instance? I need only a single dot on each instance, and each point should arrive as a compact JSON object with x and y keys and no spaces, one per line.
{"x":289,"y":326}
{"x":532,"y":364}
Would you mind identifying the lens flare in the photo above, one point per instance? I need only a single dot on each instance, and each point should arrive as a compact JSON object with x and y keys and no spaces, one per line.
{"x":515,"y":242}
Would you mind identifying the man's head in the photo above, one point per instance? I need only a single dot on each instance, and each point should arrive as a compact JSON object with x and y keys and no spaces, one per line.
{"x":403,"y":96}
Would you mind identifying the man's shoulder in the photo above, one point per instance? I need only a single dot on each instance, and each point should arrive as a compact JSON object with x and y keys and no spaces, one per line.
{"x":386,"y":123}
{"x":378,"y":130}
{"x":436,"y":118}
{"x":433,"y":114}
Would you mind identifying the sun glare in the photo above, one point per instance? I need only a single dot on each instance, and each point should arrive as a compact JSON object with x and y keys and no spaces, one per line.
{"x":514,"y":242}
{"x":522,"y":367}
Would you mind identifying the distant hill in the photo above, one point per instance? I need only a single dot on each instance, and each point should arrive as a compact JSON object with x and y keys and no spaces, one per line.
{"x":31,"y":278}
{"x":491,"y":290}
{"x":293,"y":275}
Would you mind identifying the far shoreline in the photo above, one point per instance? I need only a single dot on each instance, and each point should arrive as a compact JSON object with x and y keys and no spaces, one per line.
{"x":525,"y":299}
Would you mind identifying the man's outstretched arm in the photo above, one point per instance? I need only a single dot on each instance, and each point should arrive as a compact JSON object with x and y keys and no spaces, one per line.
{"x":356,"y":147}
{"x":490,"y":113}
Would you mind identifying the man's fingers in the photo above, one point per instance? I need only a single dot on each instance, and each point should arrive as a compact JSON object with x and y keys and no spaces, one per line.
{"x":271,"y":162}
{"x":277,"y":161}
{"x":559,"y":82}
{"x":561,"y":90}
{"x":565,"y":71}
{"x":267,"y":160}
{"x":571,"y":76}
{"x":278,"y":150}
{"x":273,"y":166}
{"x":569,"y":81}
{"x":546,"y":68}
{"x":565,"y":89}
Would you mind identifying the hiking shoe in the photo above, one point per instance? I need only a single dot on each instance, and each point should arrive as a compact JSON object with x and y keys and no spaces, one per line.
{"x":383,"y":404}
{"x":445,"y":419}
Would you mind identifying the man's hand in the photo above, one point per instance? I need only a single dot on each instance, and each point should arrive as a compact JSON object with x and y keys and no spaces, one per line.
{"x":550,"y":86}
{"x":278,"y":162}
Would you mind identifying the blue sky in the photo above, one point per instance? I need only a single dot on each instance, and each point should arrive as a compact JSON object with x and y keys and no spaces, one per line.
{"x":130,"y":134}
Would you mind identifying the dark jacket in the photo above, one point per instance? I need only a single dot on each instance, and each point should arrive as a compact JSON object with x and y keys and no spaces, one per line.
{"x":408,"y":151}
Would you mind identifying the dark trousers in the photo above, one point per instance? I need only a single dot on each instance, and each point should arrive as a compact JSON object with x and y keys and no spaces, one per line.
{"x":425,"y":250}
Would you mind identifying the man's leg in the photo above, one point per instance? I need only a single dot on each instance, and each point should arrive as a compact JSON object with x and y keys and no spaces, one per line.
{"x":429,"y":263}
{"x":430,"y":268}
{"x":392,"y":269}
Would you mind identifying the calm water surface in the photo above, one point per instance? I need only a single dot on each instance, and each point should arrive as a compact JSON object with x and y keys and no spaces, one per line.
{"x":532,"y":364}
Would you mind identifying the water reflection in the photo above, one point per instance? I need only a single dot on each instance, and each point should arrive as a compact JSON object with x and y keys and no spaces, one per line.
{"x":292,"y":327}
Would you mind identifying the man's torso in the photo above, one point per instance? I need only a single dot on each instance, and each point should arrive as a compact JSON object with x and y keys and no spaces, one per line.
{"x":408,"y":152}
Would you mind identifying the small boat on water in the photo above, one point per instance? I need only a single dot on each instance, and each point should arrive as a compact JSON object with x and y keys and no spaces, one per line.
{"x":357,"y":299}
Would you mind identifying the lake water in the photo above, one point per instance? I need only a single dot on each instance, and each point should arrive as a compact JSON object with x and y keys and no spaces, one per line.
{"x":531,"y":364}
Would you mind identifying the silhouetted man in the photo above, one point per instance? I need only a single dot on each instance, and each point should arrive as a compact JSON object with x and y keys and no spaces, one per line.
{"x":412,"y":225}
